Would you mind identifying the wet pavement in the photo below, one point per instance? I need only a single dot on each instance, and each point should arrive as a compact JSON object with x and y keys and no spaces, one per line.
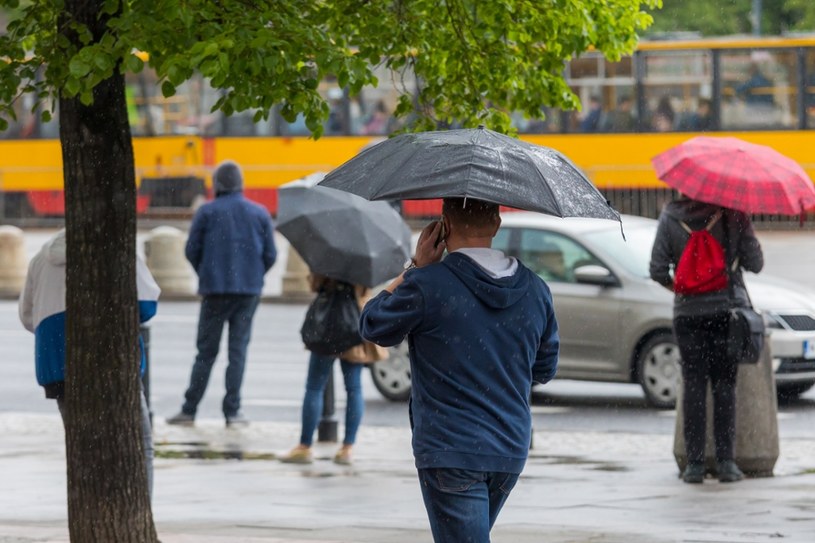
{"x":214,"y":484}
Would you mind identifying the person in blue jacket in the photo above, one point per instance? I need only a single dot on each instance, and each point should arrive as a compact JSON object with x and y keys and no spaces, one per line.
{"x":481,"y":329}
{"x":42,"y":311}
{"x":231,"y":246}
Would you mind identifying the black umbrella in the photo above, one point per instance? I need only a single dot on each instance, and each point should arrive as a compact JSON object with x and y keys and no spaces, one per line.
{"x":474,"y":163}
{"x":341,"y":235}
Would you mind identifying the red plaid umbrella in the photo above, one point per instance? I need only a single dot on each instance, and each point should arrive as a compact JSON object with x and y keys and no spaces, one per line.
{"x":736,"y":174}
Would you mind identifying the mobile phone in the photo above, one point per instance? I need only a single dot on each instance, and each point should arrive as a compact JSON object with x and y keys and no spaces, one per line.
{"x":442,"y":233}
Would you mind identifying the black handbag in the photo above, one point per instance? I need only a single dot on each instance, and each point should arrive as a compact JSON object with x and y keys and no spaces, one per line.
{"x":745,"y":329}
{"x":745,"y":335}
{"x":332,"y":321}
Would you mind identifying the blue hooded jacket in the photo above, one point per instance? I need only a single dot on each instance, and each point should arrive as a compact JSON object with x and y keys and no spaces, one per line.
{"x":476,"y":345}
{"x":231,"y":240}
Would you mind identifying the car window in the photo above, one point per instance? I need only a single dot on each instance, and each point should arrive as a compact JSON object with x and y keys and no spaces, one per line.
{"x":632,"y":253}
{"x":552,"y":256}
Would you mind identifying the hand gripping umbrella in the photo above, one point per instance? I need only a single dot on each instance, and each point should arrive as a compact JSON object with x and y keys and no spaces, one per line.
{"x":341,"y":235}
{"x":736,"y":174}
{"x":474,"y":163}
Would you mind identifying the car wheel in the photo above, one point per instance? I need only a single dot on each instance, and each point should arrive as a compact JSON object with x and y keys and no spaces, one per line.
{"x":392,"y":376}
{"x":658,"y":370}
{"x":789,"y":391}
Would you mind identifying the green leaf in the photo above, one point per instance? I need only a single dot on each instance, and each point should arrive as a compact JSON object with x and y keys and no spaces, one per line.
{"x":78,"y":67}
{"x":167,"y":89}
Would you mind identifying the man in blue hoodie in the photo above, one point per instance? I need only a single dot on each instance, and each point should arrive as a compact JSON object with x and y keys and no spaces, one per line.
{"x":231,"y":246}
{"x":481,"y":329}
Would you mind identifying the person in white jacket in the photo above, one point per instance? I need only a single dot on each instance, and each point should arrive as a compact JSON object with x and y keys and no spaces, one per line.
{"x":42,"y":311}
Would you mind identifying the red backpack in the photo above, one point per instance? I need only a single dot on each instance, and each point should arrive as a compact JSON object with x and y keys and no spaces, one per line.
{"x":702,"y":266}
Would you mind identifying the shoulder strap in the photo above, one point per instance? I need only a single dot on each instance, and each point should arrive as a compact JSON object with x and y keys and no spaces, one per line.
{"x":713,"y":220}
{"x":709,"y":226}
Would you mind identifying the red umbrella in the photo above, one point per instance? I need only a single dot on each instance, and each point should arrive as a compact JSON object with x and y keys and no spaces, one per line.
{"x":736,"y":174}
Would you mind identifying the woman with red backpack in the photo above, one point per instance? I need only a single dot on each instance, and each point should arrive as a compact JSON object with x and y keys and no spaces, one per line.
{"x":699,"y":253}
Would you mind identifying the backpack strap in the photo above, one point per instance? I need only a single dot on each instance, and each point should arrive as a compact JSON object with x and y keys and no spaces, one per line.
{"x":709,"y":226}
{"x":713,"y":220}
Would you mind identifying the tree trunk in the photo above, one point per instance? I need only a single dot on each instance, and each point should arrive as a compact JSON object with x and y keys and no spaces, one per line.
{"x":108,"y":499}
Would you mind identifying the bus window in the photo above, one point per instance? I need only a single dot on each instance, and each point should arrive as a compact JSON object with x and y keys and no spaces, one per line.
{"x":759,"y":89}
{"x":371,"y":112}
{"x":611,"y":84}
{"x":677,"y":86}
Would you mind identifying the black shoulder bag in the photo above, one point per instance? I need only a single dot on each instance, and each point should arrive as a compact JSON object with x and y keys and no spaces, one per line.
{"x":745,"y":331}
{"x":332,"y":321}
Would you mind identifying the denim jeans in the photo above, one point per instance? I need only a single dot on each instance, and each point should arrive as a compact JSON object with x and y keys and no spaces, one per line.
{"x":461,"y":504}
{"x":319,"y":369}
{"x":147,"y":437}
{"x":703,"y":344}
{"x":216,"y":310}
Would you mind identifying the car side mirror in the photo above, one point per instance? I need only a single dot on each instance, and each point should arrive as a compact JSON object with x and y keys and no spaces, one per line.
{"x":593,"y":274}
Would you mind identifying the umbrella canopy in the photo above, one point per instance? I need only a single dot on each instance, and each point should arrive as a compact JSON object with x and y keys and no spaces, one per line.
{"x":474,"y":163}
{"x":736,"y":174}
{"x":341,"y":235}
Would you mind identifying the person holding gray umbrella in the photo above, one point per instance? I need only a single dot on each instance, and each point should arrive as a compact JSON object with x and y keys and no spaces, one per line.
{"x":350,"y":245}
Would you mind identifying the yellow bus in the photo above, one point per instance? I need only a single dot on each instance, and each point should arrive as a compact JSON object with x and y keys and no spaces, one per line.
{"x":758,"y":89}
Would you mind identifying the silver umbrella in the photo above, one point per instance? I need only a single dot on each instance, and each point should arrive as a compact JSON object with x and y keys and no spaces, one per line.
{"x":341,"y":235}
{"x":474,"y":163}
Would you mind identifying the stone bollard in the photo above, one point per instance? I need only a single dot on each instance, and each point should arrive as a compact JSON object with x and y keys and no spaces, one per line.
{"x":756,"y":447}
{"x":164,"y":250}
{"x":13,"y":261}
{"x":295,"y":280}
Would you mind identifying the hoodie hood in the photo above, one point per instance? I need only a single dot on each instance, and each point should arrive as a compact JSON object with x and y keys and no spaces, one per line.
{"x":227,"y":178}
{"x":694,"y":213}
{"x":497,"y":293}
{"x":54,"y":249}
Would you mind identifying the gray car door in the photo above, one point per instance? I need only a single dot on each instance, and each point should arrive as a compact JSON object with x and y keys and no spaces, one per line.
{"x":588,"y":315}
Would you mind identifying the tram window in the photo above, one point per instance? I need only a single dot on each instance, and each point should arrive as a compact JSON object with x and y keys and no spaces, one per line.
{"x":677,"y":86}
{"x":612,"y":85}
{"x":759,"y":89}
{"x":549,"y":122}
{"x":809,"y":89}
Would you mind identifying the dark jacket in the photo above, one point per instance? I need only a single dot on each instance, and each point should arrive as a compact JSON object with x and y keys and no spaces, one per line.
{"x":735,"y":233}
{"x":231,"y":245}
{"x":476,"y":345}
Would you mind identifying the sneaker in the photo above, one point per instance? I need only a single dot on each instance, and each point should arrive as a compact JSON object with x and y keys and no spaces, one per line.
{"x":343,"y":456}
{"x":236,"y":420}
{"x":298,"y":455}
{"x":728,"y":472}
{"x":694,"y":474}
{"x":181,"y":419}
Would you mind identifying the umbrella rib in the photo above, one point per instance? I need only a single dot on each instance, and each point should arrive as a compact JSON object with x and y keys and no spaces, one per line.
{"x":545,"y":184}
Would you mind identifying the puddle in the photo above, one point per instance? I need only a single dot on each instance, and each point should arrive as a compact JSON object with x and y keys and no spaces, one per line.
{"x":198,"y":450}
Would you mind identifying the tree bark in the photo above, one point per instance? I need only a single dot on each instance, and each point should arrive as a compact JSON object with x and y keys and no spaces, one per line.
{"x":108,"y":499}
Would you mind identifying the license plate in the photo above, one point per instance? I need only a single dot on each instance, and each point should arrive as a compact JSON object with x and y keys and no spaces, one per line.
{"x":809,"y":349}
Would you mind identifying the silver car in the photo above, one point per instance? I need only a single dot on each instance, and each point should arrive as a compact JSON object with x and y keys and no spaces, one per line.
{"x":615,"y":322}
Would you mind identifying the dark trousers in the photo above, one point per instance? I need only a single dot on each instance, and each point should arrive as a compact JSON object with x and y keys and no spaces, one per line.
{"x":703,"y":345}
{"x":217,"y":310}
{"x":461,"y":504}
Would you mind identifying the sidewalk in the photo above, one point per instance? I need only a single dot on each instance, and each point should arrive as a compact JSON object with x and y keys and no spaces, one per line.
{"x":577,"y":487}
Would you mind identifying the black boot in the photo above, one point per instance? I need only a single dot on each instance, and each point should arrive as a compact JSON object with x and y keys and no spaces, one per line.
{"x":728,"y":472}
{"x":694,"y":473}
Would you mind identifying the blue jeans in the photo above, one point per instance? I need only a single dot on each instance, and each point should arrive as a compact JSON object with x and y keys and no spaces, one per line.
{"x":216,"y":310}
{"x":319,"y":369}
{"x":462,"y":505}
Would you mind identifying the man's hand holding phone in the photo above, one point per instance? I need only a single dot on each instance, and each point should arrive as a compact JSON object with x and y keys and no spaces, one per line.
{"x":430,"y":247}
{"x":431,"y":244}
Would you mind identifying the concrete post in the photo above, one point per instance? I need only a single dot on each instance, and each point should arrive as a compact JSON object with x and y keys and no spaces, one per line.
{"x":295,"y":280}
{"x":756,"y":447}
{"x":13,"y":261}
{"x":164,"y":250}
